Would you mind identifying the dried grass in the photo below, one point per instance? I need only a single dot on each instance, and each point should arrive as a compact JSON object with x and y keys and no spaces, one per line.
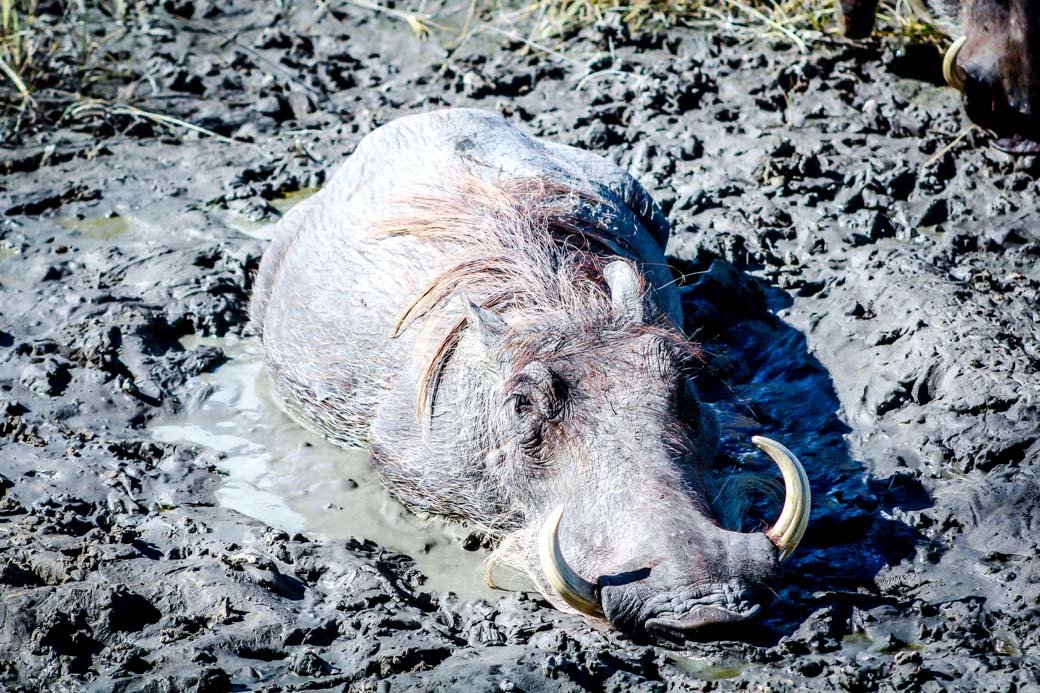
{"x":55,"y":56}
{"x":53,"y":59}
{"x":15,"y":48}
{"x":543,"y":25}
{"x":60,"y":47}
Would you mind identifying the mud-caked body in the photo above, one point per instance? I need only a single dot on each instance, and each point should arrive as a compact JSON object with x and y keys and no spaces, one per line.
{"x":494,"y":317}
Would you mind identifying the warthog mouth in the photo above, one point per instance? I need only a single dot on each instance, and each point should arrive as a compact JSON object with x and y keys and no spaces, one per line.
{"x":687,"y":612}
{"x":1019,"y":145}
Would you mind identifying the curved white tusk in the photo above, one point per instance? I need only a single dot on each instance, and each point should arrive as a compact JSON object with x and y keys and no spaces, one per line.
{"x":572,"y":588}
{"x":951,"y":73}
{"x":794,"y":518}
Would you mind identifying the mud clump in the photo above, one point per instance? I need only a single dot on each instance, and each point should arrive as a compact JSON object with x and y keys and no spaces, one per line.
{"x":862,"y":293}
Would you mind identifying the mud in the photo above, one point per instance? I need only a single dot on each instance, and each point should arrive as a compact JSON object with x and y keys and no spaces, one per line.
{"x":277,"y":472}
{"x":866,"y":296}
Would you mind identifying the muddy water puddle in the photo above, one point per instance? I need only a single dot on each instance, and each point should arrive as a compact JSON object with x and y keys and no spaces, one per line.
{"x":294,"y":480}
{"x":104,"y":228}
{"x":706,"y":669}
{"x":263,"y":228}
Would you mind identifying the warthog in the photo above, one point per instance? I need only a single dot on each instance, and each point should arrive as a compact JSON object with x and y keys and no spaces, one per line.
{"x":493,"y":316}
{"x":995,"y":62}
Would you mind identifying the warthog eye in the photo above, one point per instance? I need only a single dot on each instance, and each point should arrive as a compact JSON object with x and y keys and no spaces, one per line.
{"x":521,"y":404}
{"x":537,"y":398}
{"x":527,"y":423}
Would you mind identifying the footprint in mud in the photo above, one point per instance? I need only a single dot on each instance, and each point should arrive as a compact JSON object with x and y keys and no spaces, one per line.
{"x":288,"y":478}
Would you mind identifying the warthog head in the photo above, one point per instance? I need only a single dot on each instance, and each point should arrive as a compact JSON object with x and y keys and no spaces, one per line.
{"x":995,"y":62}
{"x":578,"y":392}
{"x":601,"y":432}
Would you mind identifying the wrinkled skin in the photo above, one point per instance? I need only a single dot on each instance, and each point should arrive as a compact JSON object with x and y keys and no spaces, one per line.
{"x":999,"y":62}
{"x":627,"y":463}
{"x":574,"y":391}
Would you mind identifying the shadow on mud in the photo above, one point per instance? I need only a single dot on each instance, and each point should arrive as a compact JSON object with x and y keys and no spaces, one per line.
{"x":762,"y":379}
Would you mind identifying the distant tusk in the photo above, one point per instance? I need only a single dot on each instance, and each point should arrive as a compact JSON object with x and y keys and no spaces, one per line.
{"x":951,"y":73}
{"x":573,"y":588}
{"x":794,"y":518}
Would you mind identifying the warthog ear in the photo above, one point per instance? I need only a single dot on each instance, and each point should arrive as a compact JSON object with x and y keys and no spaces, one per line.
{"x":625,"y":295}
{"x":487,"y":323}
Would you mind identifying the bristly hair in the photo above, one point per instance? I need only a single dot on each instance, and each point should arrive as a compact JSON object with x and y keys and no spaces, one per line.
{"x":522,"y":243}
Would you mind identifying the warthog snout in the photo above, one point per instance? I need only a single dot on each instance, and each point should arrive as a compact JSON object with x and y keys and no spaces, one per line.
{"x":995,"y":62}
{"x":690,"y":579}
{"x":685,"y":573}
{"x":998,"y":73}
{"x":996,"y":65}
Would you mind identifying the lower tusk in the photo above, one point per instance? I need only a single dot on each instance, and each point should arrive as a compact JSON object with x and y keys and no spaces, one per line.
{"x":572,"y":588}
{"x":794,"y":518}
{"x":951,"y":73}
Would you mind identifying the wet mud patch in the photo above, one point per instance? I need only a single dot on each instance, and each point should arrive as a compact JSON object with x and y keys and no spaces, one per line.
{"x":276,"y":472}
{"x":864,"y":295}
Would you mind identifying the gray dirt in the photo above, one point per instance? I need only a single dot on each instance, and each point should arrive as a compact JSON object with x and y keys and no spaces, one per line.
{"x":865,"y":296}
